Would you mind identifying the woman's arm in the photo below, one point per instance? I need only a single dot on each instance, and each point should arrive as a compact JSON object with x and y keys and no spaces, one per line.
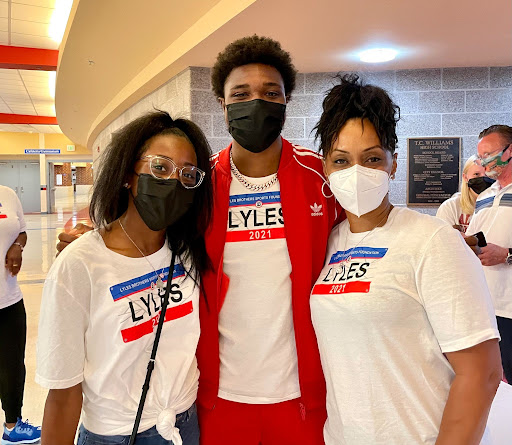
{"x":13,"y":258}
{"x":477,"y":376}
{"x":61,"y":416}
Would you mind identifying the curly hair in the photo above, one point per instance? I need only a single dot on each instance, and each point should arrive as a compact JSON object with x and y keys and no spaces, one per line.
{"x":110,"y":198}
{"x":351,"y":99}
{"x":253,"y":49}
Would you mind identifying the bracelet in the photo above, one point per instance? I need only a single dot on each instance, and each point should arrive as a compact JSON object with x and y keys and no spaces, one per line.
{"x":18,"y":244}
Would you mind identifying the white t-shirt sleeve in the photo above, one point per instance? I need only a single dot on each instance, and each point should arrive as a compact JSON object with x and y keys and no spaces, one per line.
{"x":63,"y":322}
{"x":447,"y":212}
{"x":19,"y":213}
{"x":452,"y":286}
{"x":473,"y":224}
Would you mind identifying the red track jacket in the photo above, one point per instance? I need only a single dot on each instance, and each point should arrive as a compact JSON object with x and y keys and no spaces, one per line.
{"x":308,"y":219}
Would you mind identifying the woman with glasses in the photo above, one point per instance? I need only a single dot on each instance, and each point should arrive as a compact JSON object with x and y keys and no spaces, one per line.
{"x":103,"y":295}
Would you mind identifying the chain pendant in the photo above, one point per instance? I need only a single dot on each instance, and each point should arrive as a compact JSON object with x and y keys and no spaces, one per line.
{"x":159,"y":283}
{"x":242,"y":179}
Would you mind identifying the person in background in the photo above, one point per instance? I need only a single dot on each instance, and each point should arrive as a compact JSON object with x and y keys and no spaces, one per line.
{"x":103,"y":295}
{"x":403,"y":317}
{"x":13,"y":321}
{"x":458,"y":210}
{"x":493,"y":217}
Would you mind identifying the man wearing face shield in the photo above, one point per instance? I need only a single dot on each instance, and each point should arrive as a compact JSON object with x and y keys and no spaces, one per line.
{"x":261,"y":380}
{"x":493,"y":217}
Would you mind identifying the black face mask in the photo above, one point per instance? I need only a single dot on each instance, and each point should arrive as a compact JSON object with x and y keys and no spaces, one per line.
{"x":161,"y":202}
{"x":478,"y":185}
{"x":256,"y":124}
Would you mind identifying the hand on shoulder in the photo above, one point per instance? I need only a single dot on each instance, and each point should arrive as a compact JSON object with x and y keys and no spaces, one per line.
{"x":66,"y":238}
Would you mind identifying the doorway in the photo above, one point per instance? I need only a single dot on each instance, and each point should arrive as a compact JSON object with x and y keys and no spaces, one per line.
{"x":23,"y":178}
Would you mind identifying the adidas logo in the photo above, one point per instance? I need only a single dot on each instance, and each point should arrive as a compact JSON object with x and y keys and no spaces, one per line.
{"x":316,"y":210}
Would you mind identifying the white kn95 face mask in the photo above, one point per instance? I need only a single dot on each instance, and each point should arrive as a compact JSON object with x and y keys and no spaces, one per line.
{"x":358,"y":189}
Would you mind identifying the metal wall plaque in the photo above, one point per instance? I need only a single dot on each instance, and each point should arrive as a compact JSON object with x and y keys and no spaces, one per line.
{"x":433,"y":170}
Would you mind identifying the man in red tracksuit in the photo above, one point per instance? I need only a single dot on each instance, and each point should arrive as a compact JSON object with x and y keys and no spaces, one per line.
{"x":261,"y":380}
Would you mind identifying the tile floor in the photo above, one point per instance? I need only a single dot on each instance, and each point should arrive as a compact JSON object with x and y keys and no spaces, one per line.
{"x":39,"y":255}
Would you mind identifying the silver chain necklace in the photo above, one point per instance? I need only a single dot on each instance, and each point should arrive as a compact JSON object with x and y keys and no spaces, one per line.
{"x":159,"y":282}
{"x":243,"y":179}
{"x":352,"y":249}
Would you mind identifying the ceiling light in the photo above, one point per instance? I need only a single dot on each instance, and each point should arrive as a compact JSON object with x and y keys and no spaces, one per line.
{"x":378,"y":55}
{"x":59,"y":19}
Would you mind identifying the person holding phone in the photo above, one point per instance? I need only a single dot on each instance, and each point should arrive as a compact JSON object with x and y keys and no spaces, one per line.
{"x":102,"y":298}
{"x":493,"y":216}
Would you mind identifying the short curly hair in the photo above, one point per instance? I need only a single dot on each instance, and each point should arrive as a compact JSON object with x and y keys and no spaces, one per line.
{"x":351,"y":99}
{"x":253,"y":49}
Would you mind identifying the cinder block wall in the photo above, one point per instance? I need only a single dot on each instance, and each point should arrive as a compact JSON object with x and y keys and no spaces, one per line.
{"x":433,"y":102}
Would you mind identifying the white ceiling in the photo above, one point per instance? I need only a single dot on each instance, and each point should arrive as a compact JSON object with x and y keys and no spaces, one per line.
{"x":321,"y":35}
{"x":26,"y":23}
{"x":32,"y":128}
{"x":26,"y":92}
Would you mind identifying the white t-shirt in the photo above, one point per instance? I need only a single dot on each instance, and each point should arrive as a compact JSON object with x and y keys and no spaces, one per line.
{"x":451,"y":212}
{"x":258,"y":358}
{"x":493,"y":217}
{"x":411,"y":291}
{"x":12,"y":224}
{"x":98,"y":315}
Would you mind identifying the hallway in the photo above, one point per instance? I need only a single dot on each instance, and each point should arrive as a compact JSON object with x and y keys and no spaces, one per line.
{"x":38,"y":256}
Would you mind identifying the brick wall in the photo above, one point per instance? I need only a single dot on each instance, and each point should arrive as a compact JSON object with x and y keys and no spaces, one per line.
{"x":84,"y":175}
{"x":65,"y":171}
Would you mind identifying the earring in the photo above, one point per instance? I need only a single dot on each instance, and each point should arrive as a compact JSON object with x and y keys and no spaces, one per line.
{"x":126,"y":185}
{"x":393,"y":176}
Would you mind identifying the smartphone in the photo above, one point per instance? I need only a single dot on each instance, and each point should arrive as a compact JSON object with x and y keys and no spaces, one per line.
{"x":481,"y":239}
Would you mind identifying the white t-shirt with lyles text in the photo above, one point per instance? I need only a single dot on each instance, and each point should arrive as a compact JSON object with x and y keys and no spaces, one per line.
{"x":451,"y":212}
{"x":386,"y":308}
{"x":258,"y":357}
{"x":98,"y":316}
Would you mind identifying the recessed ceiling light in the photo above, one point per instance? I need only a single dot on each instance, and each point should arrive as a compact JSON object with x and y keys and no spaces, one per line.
{"x":377,"y":55}
{"x":59,"y":19}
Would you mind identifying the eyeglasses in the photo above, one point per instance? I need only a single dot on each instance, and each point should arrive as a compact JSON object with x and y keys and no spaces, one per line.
{"x":485,"y":161}
{"x":162,"y":167}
